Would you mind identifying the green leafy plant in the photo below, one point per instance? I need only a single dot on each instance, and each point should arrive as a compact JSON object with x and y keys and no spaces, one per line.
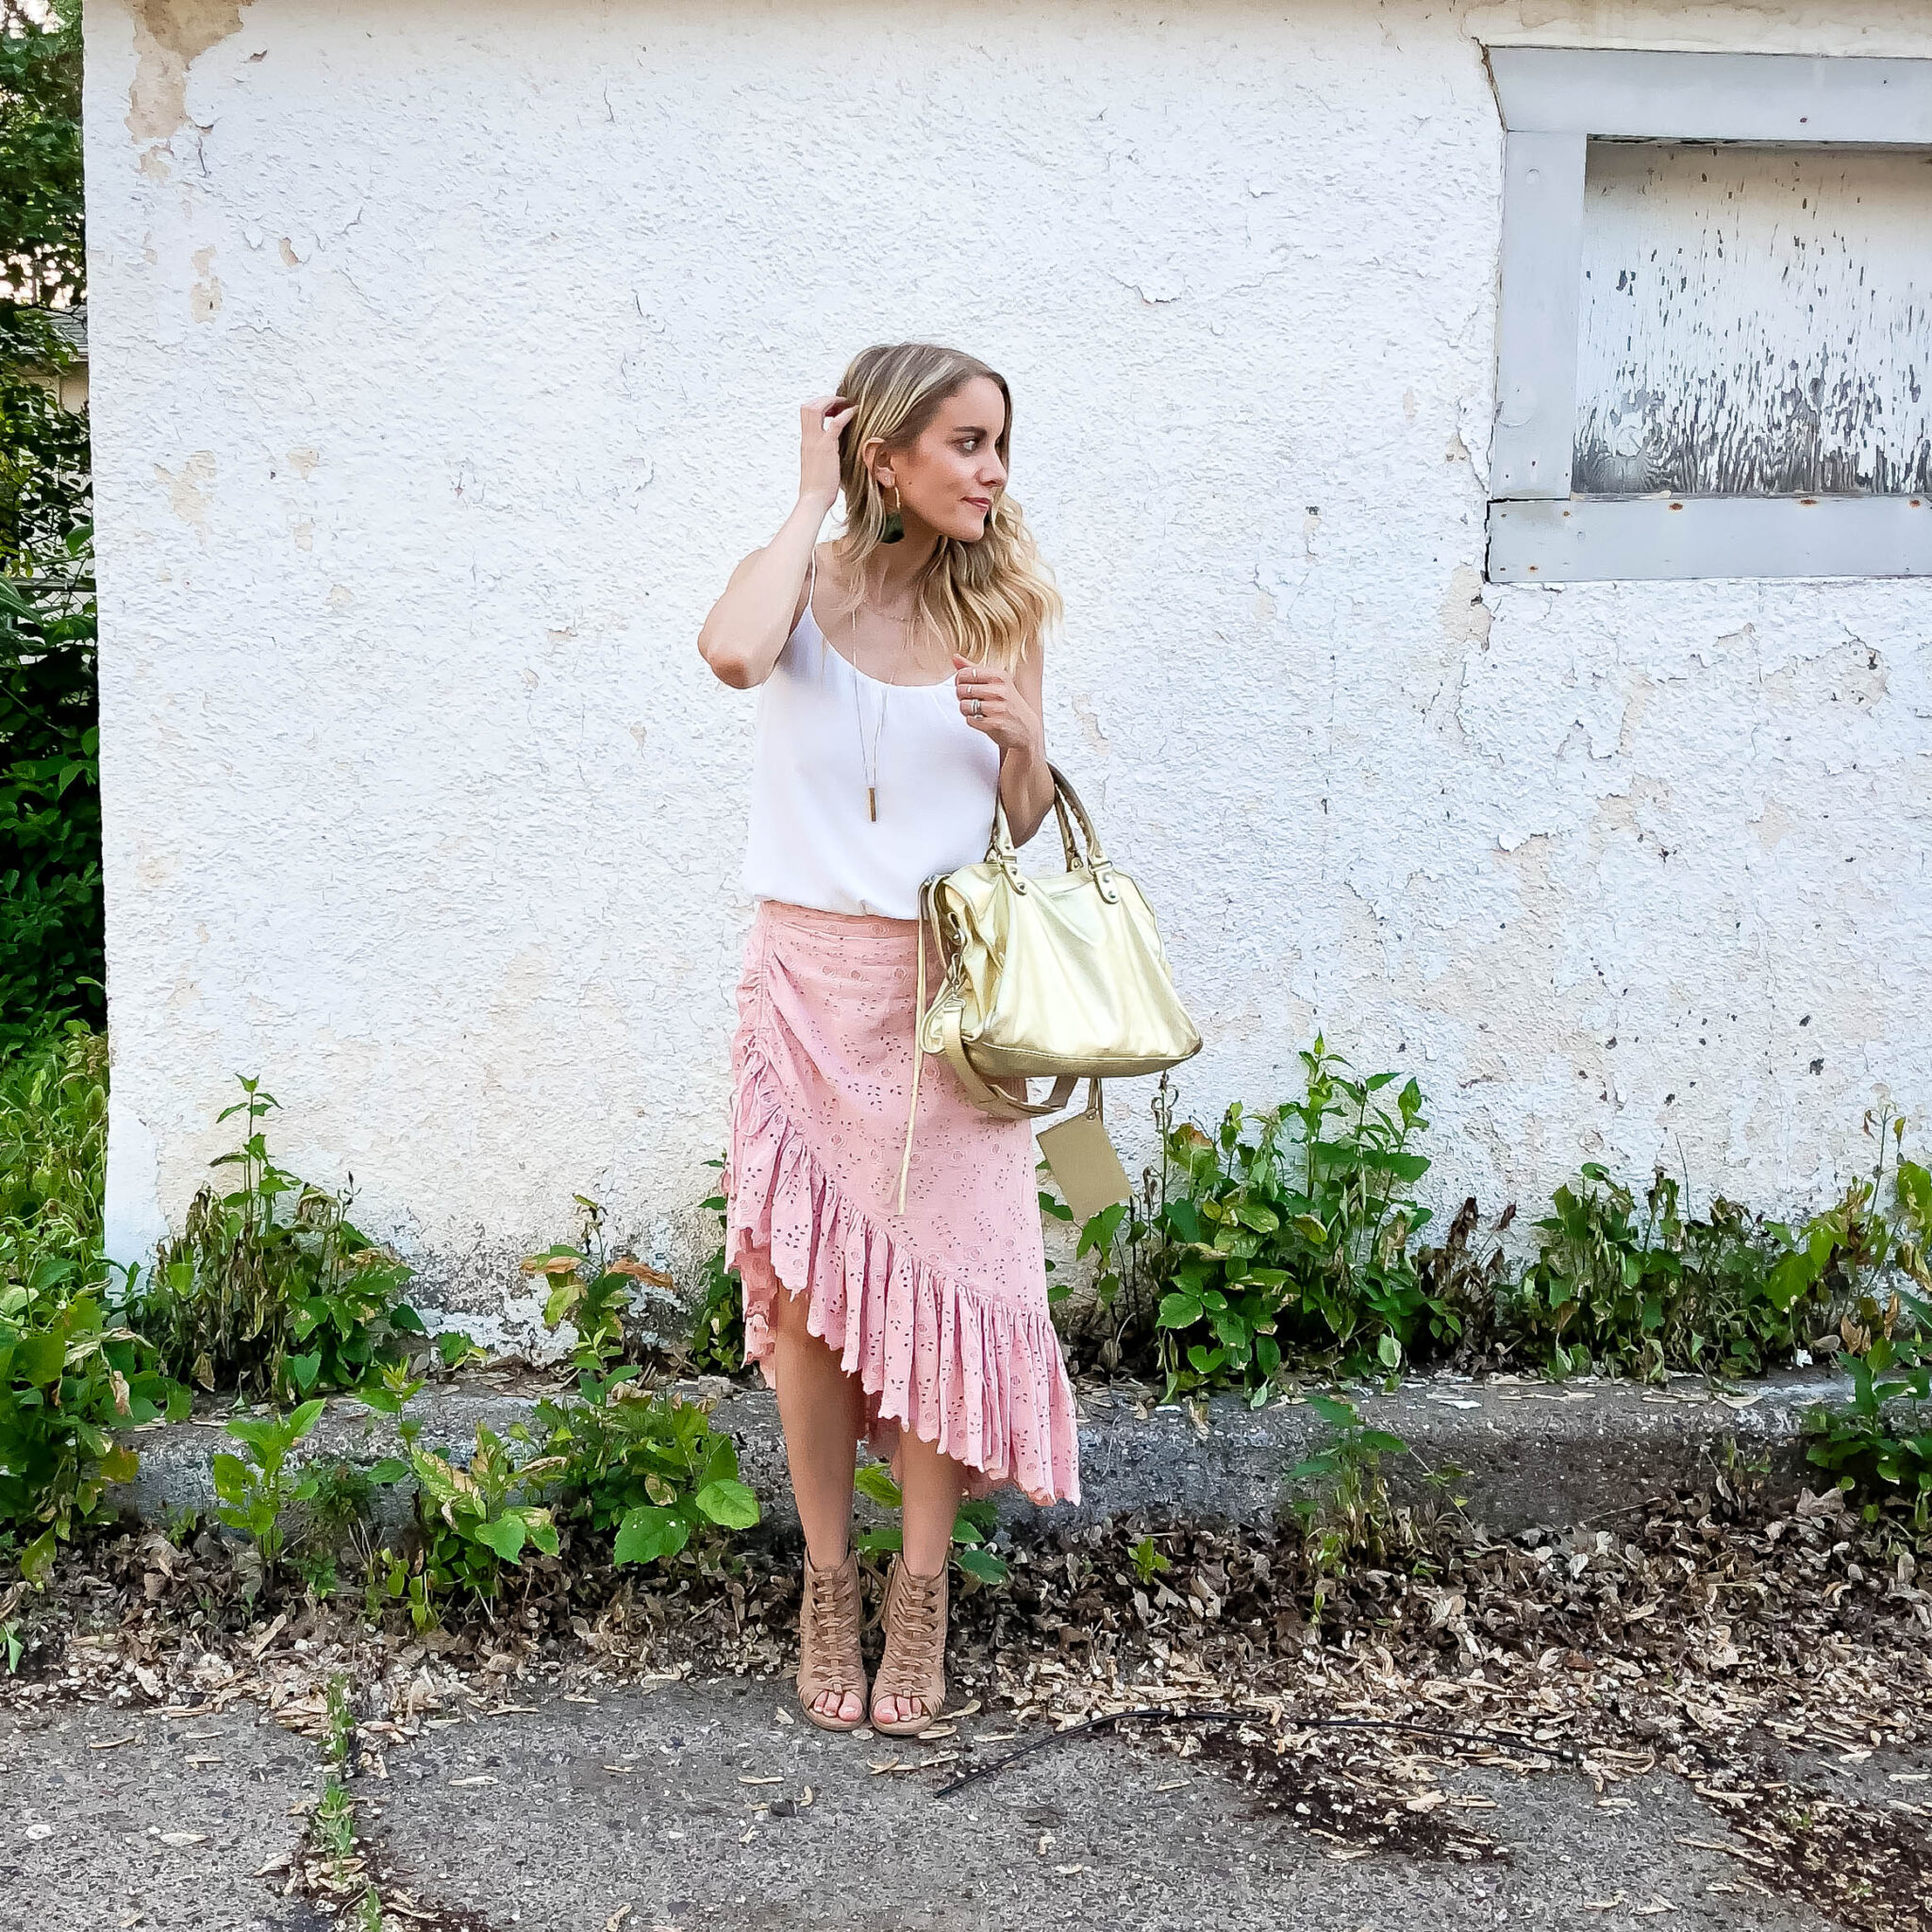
{"x":1864,"y":1256}
{"x":478,"y":1521}
{"x":1286,"y":1236}
{"x":1880,"y":1445}
{"x":338,"y":1721}
{"x":717,"y":1329}
{"x":53,"y":1161}
{"x":650,"y":1471}
{"x":1343,"y":1496}
{"x":1148,"y":1560}
{"x":51,"y":952}
{"x":1639,"y":1289}
{"x":270,"y":1289}
{"x":67,"y":1380}
{"x":592,"y":1289}
{"x":254,"y":1491}
{"x":974,"y":1528}
{"x":392,"y":1579}
{"x":52,"y":939}
{"x":43,"y":228}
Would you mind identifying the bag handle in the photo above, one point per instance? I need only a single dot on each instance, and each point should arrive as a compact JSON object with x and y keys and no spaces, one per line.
{"x":1000,"y":847}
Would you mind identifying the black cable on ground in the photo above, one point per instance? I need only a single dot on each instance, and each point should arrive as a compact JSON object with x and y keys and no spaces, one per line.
{"x":1161,"y":1714}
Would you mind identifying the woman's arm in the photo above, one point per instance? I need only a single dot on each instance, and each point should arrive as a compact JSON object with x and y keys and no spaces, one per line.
{"x":741,"y":637}
{"x":1011,"y":709}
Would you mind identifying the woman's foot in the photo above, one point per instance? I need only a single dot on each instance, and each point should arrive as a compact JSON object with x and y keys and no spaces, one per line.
{"x":911,"y":1690}
{"x":831,"y":1669}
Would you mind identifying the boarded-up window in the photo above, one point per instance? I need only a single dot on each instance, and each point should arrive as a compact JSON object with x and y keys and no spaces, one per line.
{"x":1754,"y":322}
{"x":1712,"y":337}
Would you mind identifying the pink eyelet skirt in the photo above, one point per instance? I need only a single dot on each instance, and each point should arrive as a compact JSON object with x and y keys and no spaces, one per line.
{"x":940,"y":1312}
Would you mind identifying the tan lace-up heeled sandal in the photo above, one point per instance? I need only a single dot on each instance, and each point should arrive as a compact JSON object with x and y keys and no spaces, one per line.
{"x":830,"y":1614}
{"x":914,"y":1665}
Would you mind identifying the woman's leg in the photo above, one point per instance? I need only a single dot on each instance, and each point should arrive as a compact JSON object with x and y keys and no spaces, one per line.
{"x":931,"y":1485}
{"x":821,"y":1408}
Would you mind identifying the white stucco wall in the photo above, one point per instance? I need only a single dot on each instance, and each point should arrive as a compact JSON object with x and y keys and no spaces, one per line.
{"x":446,"y":358}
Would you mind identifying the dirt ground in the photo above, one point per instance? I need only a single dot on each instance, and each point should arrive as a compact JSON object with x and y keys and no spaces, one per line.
{"x":1716,"y":1712}
{"x":699,"y":1803}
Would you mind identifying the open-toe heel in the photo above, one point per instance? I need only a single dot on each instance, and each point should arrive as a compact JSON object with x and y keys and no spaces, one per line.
{"x":914,"y":1665}
{"x":830,"y":1612}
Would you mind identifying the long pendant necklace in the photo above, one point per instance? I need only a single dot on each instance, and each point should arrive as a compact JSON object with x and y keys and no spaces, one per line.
{"x":869,"y":767}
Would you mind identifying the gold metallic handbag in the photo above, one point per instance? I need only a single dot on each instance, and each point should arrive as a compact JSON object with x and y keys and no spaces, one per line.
{"x":1061,"y":976}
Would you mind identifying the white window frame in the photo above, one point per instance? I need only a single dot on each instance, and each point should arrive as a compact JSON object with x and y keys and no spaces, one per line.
{"x":1553,"y":100}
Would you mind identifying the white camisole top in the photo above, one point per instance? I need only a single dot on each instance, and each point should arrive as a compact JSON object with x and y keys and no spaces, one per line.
{"x":813,"y":841}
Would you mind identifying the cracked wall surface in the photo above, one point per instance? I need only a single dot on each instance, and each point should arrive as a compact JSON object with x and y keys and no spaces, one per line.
{"x":445,"y":360}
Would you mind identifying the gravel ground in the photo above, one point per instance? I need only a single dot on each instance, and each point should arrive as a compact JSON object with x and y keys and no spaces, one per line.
{"x":116,"y":1818}
{"x":1716,"y":1711}
{"x":654,"y":1806}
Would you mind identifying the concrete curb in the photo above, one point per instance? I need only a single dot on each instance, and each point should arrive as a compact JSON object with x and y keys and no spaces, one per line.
{"x":1529,"y":1453}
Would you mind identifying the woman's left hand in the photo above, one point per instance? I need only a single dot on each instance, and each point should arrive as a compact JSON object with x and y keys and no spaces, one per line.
{"x":990,"y":701}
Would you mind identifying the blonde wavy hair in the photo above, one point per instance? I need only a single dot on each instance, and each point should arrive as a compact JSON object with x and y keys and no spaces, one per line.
{"x":989,"y":599}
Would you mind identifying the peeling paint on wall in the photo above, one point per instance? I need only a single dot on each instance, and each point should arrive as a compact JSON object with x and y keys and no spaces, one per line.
{"x":169,"y":37}
{"x":1754,"y":322}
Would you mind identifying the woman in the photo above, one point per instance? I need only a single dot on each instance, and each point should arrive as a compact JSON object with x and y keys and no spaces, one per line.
{"x":894,"y":1283}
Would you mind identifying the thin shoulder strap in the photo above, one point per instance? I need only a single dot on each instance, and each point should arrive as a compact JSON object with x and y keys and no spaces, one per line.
{"x":812,"y":582}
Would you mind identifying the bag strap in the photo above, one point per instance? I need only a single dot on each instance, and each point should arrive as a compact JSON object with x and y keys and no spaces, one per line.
{"x":983,"y":1094}
{"x":986,"y":1097}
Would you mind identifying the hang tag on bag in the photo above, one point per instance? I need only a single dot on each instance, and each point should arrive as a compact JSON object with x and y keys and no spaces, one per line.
{"x":1083,"y":1163}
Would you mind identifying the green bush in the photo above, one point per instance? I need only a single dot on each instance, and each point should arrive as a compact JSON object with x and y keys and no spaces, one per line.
{"x":52,"y":943}
{"x":70,"y":1373}
{"x":1880,"y":1445}
{"x":271,"y":1290}
{"x":1286,"y":1237}
{"x":477,"y":1522}
{"x":51,"y":965}
{"x":592,"y":1289}
{"x":42,"y":232}
{"x":650,"y":1471}
{"x":68,"y":1378}
{"x":53,"y":1161}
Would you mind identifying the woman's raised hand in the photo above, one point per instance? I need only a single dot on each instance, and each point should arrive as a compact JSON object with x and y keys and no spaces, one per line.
{"x":991,"y":701}
{"x":819,"y":424}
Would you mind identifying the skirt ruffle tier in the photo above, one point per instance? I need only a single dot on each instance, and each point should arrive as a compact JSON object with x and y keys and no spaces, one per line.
{"x":941,"y":1314}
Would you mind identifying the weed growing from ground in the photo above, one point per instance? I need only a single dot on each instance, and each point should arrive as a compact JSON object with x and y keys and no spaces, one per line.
{"x":476,"y":1521}
{"x":592,"y":1289}
{"x":1341,"y":1496}
{"x":648,"y":1470}
{"x":270,"y":1290}
{"x":254,"y":1493}
{"x":1286,"y":1236}
{"x":717,"y":1328}
{"x":973,"y":1528}
{"x":1286,"y":1242}
{"x":1880,"y":1442}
